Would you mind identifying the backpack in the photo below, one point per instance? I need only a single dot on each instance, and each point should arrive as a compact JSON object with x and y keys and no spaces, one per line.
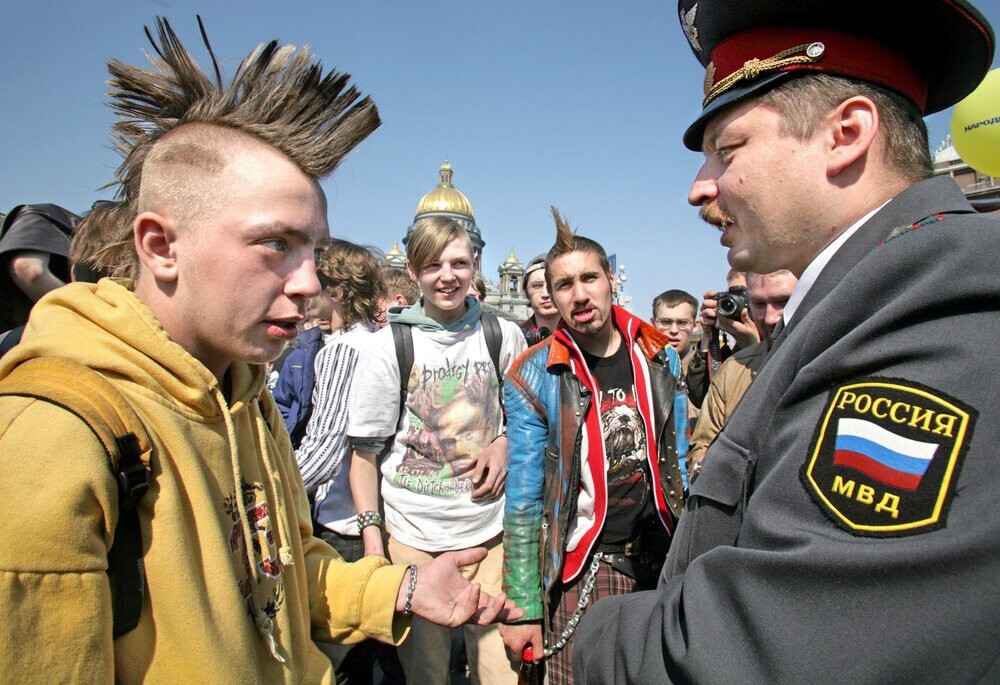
{"x":85,"y":393}
{"x":402,"y":337}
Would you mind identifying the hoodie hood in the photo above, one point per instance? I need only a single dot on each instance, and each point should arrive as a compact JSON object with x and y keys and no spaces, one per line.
{"x":413,"y":315}
{"x":106,"y":327}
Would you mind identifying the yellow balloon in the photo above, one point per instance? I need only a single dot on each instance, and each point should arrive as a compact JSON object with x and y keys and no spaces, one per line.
{"x":975,"y":126}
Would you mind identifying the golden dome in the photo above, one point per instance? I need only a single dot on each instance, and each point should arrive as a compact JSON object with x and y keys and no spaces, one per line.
{"x":394,"y":251}
{"x":445,"y":198}
{"x":512,"y":260}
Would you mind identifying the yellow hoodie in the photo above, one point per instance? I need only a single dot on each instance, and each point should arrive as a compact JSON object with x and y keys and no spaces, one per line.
{"x":216,"y":609}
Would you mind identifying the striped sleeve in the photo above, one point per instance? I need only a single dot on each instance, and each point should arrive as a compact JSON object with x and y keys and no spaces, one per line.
{"x":325,"y":444}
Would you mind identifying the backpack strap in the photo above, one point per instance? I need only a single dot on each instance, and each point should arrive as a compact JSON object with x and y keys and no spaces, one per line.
{"x":494,"y":342}
{"x":402,"y":338}
{"x":95,"y":401}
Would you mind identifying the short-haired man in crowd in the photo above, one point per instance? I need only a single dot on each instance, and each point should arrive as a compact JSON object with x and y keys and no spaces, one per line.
{"x":400,"y":291}
{"x":768,"y":294}
{"x":219,"y":258}
{"x":844,"y":527}
{"x":593,"y":472}
{"x":675,"y":314}
{"x":544,"y":315}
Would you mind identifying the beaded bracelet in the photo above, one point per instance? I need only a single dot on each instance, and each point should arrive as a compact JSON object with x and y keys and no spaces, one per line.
{"x":408,"y":606}
{"x":369,"y":518}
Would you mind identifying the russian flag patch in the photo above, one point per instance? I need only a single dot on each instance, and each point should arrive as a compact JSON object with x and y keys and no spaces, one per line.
{"x":886,"y":456}
{"x":881,"y":454}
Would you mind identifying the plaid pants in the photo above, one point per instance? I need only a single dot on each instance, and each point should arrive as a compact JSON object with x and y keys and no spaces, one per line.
{"x":609,"y":583}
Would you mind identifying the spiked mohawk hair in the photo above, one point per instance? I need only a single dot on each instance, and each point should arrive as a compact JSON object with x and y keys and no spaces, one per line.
{"x":568,"y":241}
{"x":278,"y":94}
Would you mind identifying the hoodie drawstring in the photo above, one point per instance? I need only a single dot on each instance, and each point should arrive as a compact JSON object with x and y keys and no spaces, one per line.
{"x":262,"y":621}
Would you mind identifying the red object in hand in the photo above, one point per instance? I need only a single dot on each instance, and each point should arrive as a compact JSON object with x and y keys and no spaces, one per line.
{"x":530,"y":673}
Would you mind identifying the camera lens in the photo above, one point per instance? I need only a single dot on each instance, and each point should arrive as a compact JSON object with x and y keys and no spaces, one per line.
{"x":728,"y":306}
{"x":732,"y":302}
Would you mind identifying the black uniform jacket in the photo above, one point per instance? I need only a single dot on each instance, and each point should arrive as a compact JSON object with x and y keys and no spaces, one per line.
{"x":846,"y":524}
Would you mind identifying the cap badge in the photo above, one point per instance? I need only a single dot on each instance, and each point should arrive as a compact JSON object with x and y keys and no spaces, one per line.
{"x":690,"y":30}
{"x":754,"y":67}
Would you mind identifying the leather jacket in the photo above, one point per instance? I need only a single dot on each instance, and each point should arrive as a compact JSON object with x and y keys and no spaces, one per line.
{"x":547,"y":407}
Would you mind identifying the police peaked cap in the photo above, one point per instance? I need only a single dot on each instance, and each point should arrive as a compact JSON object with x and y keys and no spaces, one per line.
{"x":932,"y":52}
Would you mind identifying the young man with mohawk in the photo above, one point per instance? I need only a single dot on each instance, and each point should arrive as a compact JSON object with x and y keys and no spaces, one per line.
{"x":594,"y":487}
{"x":217,"y":262}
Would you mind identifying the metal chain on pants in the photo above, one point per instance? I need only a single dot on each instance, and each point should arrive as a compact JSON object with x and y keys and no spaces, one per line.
{"x":588,"y":587}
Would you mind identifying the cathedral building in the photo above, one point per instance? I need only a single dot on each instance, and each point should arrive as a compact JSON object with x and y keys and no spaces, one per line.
{"x":505,"y":296}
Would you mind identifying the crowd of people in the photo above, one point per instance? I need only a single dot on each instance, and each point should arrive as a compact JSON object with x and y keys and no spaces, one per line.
{"x":236,"y":449}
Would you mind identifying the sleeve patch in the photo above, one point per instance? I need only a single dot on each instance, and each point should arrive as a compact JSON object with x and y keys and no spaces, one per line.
{"x":886,"y":456}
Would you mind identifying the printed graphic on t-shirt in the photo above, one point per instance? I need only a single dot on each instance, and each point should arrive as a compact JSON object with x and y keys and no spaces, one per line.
{"x":625,"y":442}
{"x":262,"y":541}
{"x":454,"y":414}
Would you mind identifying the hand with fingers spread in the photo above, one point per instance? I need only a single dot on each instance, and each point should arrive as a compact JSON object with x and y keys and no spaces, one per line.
{"x":439,"y":593}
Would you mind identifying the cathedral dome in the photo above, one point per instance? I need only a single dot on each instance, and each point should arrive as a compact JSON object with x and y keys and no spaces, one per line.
{"x":445,"y":198}
{"x":395,"y":257}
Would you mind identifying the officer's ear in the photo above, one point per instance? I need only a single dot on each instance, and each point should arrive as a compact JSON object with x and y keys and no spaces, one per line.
{"x":851,"y":129}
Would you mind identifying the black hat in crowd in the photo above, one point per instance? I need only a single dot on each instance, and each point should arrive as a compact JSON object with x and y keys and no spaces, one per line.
{"x":534,"y":265}
{"x":933,"y":52}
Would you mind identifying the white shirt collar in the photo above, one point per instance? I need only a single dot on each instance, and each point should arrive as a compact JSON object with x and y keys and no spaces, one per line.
{"x":816,"y":266}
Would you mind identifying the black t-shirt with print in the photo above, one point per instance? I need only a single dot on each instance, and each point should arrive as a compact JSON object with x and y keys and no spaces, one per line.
{"x":625,"y":442}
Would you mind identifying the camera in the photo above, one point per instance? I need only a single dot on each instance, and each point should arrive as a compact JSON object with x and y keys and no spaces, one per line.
{"x":732,"y":302}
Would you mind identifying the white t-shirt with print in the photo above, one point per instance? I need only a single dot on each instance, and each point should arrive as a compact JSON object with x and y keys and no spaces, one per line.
{"x":452,"y":413}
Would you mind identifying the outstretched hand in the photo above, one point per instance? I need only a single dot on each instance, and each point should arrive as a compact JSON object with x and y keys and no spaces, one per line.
{"x":442,"y":594}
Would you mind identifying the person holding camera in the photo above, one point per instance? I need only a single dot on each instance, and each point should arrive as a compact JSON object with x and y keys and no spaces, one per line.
{"x":767,"y":296}
{"x":734,"y":319}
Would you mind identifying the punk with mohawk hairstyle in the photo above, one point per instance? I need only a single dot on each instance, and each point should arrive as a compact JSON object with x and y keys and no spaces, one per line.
{"x":198,"y":563}
{"x":596,"y":426}
{"x":568,"y":241}
{"x":279,"y":94}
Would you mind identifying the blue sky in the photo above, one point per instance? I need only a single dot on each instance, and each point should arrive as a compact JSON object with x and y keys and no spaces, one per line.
{"x":576,"y":104}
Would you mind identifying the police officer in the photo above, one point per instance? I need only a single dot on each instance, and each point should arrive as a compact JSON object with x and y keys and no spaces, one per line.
{"x":845,"y":527}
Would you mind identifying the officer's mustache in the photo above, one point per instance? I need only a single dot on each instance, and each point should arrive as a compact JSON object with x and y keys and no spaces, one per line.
{"x":713,"y":214}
